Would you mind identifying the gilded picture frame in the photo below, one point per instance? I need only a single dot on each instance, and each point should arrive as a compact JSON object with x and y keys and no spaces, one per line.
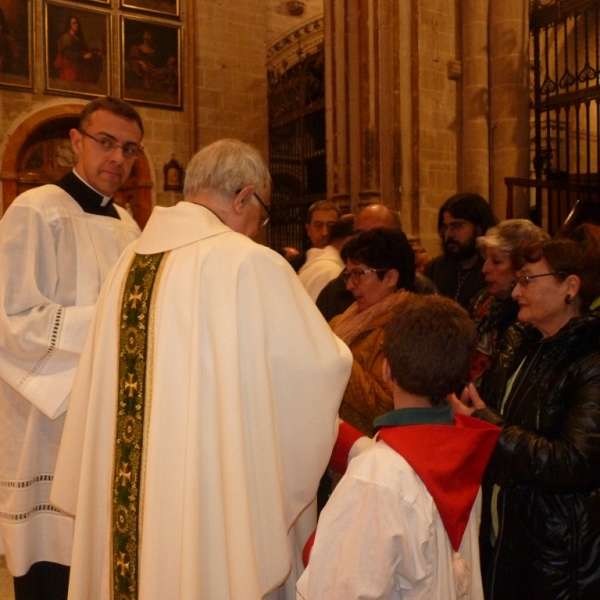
{"x":76,"y":51}
{"x":16,"y":45}
{"x":106,"y":3}
{"x":150,"y":62}
{"x":159,"y":8}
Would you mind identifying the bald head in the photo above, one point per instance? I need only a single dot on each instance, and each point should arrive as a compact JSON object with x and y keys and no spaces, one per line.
{"x":376,"y":215}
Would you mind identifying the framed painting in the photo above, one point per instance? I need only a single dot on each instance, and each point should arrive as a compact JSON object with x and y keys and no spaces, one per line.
{"x":103,"y":2}
{"x":16,"y":44}
{"x":76,"y":50}
{"x":162,"y":8}
{"x":151,"y":62}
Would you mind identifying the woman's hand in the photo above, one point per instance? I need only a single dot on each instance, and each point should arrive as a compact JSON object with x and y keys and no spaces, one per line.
{"x":470,"y":400}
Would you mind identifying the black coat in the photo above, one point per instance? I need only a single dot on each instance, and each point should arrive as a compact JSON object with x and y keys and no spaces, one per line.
{"x":546,"y":464}
{"x":444,"y":272}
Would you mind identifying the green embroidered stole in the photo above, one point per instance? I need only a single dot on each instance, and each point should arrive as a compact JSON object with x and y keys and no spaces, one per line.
{"x":134,"y":361}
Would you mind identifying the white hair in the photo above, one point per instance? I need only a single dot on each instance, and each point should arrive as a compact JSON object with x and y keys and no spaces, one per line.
{"x":509,"y":235}
{"x":225,"y":167}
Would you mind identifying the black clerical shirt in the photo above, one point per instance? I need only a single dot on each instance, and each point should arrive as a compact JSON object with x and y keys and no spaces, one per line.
{"x":89,"y":200}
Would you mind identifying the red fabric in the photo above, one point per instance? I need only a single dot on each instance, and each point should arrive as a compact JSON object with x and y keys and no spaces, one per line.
{"x":346,"y":438}
{"x":450,"y":461}
{"x":307,"y":548}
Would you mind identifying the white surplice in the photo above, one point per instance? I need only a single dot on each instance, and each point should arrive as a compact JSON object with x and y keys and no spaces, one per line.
{"x":54,"y":258}
{"x":246,"y":381}
{"x":381,"y":537}
{"x":321,"y":266}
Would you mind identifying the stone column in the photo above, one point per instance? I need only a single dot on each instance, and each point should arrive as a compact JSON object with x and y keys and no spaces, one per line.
{"x":509,"y":101}
{"x":475,"y":150}
{"x":362,"y":102}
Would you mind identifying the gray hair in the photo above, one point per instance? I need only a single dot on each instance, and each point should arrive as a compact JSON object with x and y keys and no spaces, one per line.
{"x":511,"y":234}
{"x":225,"y":167}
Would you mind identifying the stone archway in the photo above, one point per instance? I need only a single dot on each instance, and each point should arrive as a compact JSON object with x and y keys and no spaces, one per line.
{"x":39,"y":151}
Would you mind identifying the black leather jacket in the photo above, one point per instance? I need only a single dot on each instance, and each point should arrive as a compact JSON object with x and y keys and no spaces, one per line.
{"x":546,"y":464}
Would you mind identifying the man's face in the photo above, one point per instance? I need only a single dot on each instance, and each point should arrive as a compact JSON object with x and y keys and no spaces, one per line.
{"x":458,"y":237}
{"x":105,"y":170}
{"x":319,"y":226}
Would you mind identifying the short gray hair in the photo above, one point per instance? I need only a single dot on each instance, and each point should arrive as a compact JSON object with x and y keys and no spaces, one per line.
{"x":511,"y":234}
{"x":225,"y":167}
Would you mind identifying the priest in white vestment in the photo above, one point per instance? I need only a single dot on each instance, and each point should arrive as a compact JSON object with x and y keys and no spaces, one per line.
{"x":204,"y":409}
{"x":57,"y":244}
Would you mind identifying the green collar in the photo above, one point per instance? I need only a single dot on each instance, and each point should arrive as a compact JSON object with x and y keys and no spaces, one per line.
{"x":436,"y":415}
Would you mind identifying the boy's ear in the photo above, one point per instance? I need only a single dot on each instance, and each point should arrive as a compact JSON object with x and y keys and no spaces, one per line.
{"x":386,"y":371}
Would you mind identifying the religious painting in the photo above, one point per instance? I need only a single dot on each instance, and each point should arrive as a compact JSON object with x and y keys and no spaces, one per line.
{"x":16,"y":44}
{"x":151,"y":62}
{"x":163,"y":8}
{"x":77,"y":59}
{"x":174,"y":175}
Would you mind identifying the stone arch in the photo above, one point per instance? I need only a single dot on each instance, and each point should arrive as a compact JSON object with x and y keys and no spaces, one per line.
{"x":49,"y":127}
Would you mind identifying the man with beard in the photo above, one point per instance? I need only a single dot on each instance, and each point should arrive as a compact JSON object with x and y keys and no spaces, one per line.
{"x":457,"y":272}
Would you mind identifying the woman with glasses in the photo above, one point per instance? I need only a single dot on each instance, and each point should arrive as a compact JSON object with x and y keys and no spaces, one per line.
{"x":540,"y":534}
{"x":380,"y":270}
{"x":494,"y":310}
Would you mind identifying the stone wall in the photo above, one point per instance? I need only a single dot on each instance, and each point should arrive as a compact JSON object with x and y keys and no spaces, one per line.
{"x":231,"y":75}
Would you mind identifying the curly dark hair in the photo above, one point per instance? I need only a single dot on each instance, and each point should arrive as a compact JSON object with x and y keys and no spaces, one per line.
{"x":429,"y":344}
{"x":382,"y":248}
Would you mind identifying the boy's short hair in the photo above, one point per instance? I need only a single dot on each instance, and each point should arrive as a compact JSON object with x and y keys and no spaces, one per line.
{"x":429,"y":344}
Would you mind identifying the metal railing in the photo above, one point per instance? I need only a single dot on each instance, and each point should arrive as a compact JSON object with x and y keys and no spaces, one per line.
{"x":551,"y":201}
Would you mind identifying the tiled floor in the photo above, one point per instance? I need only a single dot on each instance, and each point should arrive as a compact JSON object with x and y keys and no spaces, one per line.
{"x":6,"y":582}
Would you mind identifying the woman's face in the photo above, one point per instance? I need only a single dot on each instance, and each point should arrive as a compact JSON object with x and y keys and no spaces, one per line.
{"x":74,"y":24}
{"x":498,"y":272}
{"x":542,"y":299}
{"x":367,"y":288}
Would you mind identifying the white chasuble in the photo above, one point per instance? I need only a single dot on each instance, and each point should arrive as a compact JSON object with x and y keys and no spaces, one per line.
{"x":245,"y":382}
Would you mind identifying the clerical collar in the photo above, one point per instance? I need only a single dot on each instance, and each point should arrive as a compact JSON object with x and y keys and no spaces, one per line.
{"x":436,"y":415}
{"x":105,"y":199}
{"x":87,"y":197}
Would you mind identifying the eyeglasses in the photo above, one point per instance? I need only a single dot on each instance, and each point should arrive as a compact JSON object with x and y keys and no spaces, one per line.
{"x":525,"y":280}
{"x":108,"y":144}
{"x":263,"y":205}
{"x":356,"y":274}
{"x":454,"y":227}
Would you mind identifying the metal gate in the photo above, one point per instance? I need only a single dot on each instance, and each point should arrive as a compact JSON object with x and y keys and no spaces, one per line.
{"x":566,"y":111}
{"x":296,"y":148}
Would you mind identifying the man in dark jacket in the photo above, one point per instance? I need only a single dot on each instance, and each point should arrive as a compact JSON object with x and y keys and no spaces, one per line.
{"x":457,"y":272}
